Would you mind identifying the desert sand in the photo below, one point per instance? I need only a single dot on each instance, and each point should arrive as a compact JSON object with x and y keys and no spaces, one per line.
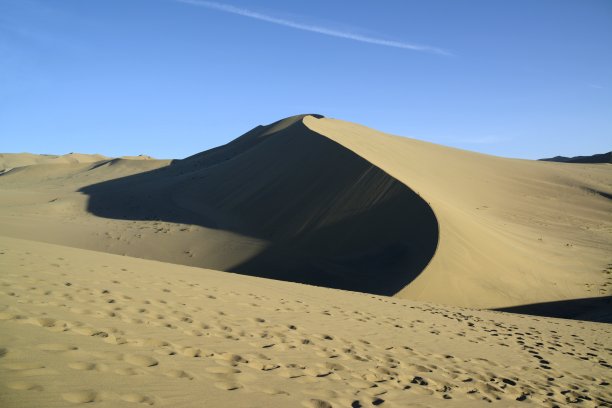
{"x":361,"y":264}
{"x":87,"y":327}
{"x":331,"y":203}
{"x":9,"y":161}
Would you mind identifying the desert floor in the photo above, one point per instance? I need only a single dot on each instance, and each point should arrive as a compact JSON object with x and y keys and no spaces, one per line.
{"x":79,"y":326}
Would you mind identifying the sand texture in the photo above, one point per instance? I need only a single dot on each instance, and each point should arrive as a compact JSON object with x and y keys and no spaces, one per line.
{"x":78,"y":326}
{"x":332,"y":203}
{"x":511,"y":231}
{"x":310,"y":262}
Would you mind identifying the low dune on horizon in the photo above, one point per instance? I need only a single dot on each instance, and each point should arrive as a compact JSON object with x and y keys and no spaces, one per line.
{"x":380,"y":254}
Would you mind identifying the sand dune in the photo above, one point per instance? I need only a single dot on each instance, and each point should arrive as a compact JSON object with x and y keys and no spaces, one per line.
{"x":78,"y":326}
{"x":511,"y":231}
{"x":325,"y":215}
{"x":331,"y":203}
{"x":12,"y":160}
{"x":318,"y":201}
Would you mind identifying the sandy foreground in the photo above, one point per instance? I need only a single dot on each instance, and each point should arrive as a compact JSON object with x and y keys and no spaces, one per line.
{"x":79,"y":326}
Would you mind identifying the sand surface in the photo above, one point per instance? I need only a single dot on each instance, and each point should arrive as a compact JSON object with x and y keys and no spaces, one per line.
{"x":114,"y":288}
{"x":10,"y":161}
{"x":332,"y":203}
{"x":511,"y":231}
{"x":78,"y":327}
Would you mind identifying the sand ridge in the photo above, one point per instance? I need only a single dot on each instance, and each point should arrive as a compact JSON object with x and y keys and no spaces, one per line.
{"x":78,"y":326}
{"x":10,"y":161}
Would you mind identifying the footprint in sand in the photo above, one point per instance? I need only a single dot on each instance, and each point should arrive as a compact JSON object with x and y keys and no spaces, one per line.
{"x":221,"y":370}
{"x":179,"y":374}
{"x":56,"y":347}
{"x":87,"y":366}
{"x":45,"y":322}
{"x":228,"y":386}
{"x":11,"y":316}
{"x":126,"y":371}
{"x":80,"y":397}
{"x":141,"y":360}
{"x":316,"y":403}
{"x":273,"y":391}
{"x":138,"y":398}
{"x":82,"y":365}
{"x":24,"y":386}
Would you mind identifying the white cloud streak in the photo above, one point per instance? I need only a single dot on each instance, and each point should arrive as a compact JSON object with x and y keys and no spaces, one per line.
{"x":226,"y":8}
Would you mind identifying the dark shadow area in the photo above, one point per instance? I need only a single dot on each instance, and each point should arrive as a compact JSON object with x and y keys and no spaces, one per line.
{"x":593,"y":159}
{"x":330,"y":217}
{"x":597,"y":309}
{"x":601,"y":193}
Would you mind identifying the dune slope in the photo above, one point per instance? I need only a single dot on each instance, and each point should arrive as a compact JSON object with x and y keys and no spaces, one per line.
{"x":512,"y":231}
{"x":327,"y":216}
{"x":79,"y":327}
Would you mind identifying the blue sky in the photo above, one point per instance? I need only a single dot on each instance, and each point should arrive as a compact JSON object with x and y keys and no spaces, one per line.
{"x":515,"y":78}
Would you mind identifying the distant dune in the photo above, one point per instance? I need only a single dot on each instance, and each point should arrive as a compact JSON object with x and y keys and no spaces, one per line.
{"x":595,"y":158}
{"x":331,"y":203}
{"x":11,"y":160}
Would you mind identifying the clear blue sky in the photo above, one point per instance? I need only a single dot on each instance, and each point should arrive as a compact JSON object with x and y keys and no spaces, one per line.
{"x":516,"y":78}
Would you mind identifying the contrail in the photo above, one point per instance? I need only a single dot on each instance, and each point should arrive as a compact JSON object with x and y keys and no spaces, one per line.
{"x":312,"y":28}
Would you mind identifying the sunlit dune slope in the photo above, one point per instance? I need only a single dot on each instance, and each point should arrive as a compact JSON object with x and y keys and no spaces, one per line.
{"x":511,"y":231}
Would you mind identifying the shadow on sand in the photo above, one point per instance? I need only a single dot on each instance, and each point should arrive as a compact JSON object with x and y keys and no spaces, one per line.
{"x":598,"y":309}
{"x":330,"y":217}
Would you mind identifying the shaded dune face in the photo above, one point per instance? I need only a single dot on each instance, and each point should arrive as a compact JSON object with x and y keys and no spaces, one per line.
{"x":328,"y":216}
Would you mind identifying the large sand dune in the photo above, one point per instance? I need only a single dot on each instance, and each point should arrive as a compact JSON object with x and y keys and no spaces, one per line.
{"x":331,"y":203}
{"x":326,"y":216}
